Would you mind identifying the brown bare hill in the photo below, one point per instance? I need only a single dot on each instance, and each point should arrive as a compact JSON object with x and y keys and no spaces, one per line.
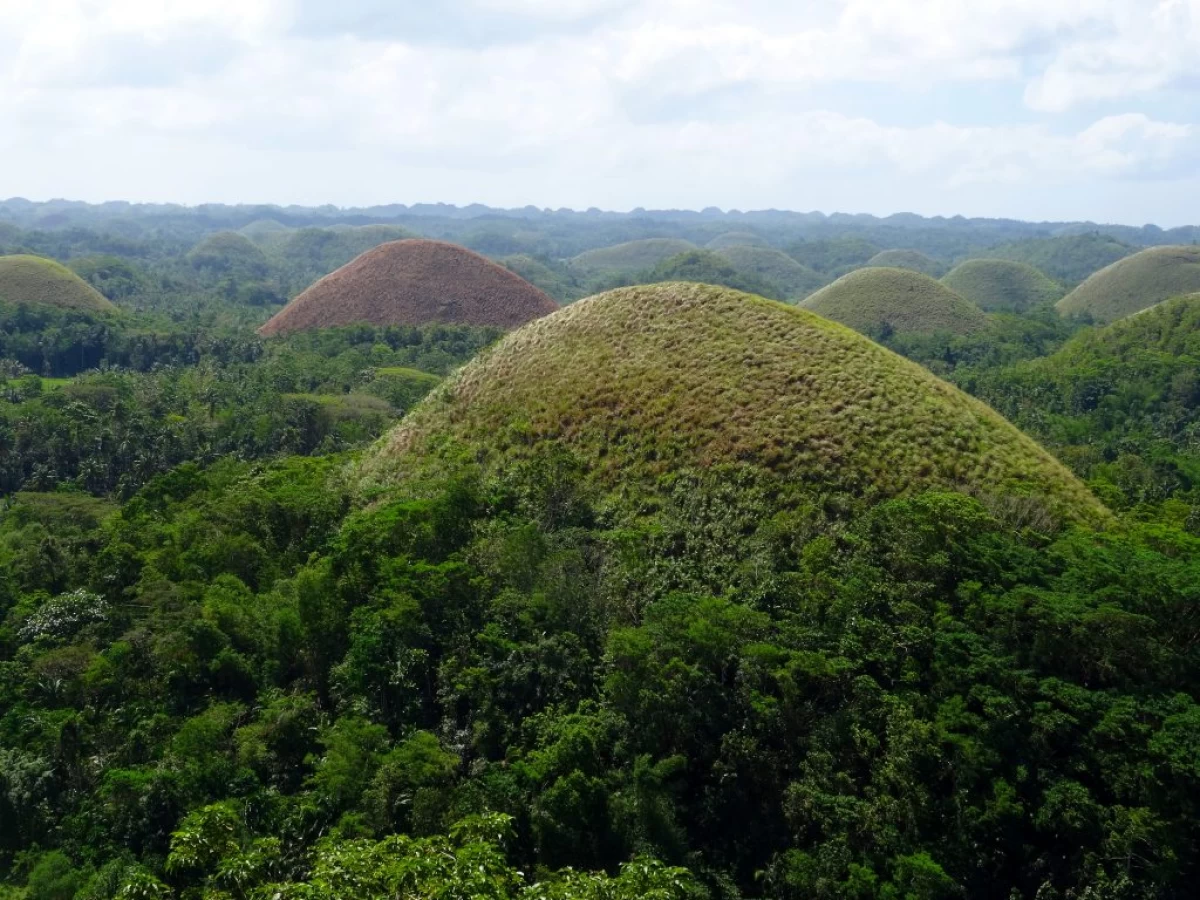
{"x":415,"y":282}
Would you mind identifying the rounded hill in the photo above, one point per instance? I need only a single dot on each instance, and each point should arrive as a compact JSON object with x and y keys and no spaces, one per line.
{"x":795,"y":281}
{"x":644,"y":384}
{"x":907,"y":259}
{"x":881,"y":301}
{"x":415,"y":282}
{"x":631,"y":257}
{"x":44,"y":282}
{"x":1135,"y":283}
{"x":736,"y":239}
{"x":1001,"y":285}
{"x":228,"y":252}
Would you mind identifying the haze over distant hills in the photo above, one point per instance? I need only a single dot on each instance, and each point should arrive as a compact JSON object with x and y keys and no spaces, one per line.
{"x":213,"y":217}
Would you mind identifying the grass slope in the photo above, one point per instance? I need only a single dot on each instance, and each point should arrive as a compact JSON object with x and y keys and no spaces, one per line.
{"x":794,"y":280}
{"x":882,"y":301}
{"x":1001,"y":285}
{"x":1134,"y":283}
{"x":736,"y":239}
{"x":44,"y":282}
{"x":631,"y":257}
{"x":415,"y":282}
{"x":907,"y":259}
{"x":1068,"y":259}
{"x":644,"y":383}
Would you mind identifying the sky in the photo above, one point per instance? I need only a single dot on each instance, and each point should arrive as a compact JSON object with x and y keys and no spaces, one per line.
{"x":1030,"y":109}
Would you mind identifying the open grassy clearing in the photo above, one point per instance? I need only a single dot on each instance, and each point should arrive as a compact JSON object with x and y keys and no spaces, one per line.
{"x":1000,"y":285}
{"x":1135,"y":283}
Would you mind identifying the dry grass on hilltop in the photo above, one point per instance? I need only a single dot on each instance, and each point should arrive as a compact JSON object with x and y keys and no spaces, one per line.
{"x":646,"y":382}
{"x":44,"y":282}
{"x":415,"y":282}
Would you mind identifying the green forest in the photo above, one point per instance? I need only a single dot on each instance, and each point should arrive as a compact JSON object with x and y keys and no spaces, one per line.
{"x":329,"y":615}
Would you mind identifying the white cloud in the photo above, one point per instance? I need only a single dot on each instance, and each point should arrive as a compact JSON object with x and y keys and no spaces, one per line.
{"x":589,"y":93}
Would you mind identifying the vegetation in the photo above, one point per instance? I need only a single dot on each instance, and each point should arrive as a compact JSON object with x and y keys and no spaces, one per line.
{"x":644,"y":382}
{"x":730,"y":239}
{"x":43,"y":282}
{"x":907,"y":259}
{"x":1121,"y":405}
{"x":834,"y":257}
{"x":414,"y":282}
{"x":998,"y":285}
{"x":306,"y":255}
{"x":677,"y":594}
{"x":792,"y":280}
{"x":228,"y":253}
{"x":708,"y":267}
{"x":883,"y":302}
{"x":1134,"y":283}
{"x":1068,"y":259}
{"x":554,"y":278}
{"x":631,"y":257}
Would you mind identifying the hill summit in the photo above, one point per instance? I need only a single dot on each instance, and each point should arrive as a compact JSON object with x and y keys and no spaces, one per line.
{"x":644,"y":384}
{"x":1002,"y":285}
{"x":1135,"y":283}
{"x":415,"y":282}
{"x":44,"y":282}
{"x":878,"y":299}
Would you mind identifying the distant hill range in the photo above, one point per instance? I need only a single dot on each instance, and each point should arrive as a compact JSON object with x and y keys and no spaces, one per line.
{"x":442,"y":220}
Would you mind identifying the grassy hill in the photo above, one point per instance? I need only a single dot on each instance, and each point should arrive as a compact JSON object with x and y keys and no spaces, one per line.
{"x":736,"y":239}
{"x":552,"y":277}
{"x":229,"y":253}
{"x":881,"y":302}
{"x":709,"y":267}
{"x":644,"y":384}
{"x":835,"y":256}
{"x":907,"y":259}
{"x":1001,"y":285}
{"x":1120,"y":404}
{"x":631,"y":257}
{"x":44,"y":282}
{"x":311,"y":253}
{"x":1068,"y":259}
{"x":264,"y":230}
{"x":795,"y":282}
{"x":1134,"y":283}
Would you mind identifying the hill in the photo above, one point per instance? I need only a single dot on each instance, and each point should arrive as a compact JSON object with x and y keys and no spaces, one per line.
{"x":736,"y":239}
{"x":1120,"y":404}
{"x":795,"y":281}
{"x":1134,"y":283}
{"x":1068,"y":259}
{"x":880,"y":302}
{"x":311,"y":253}
{"x":645,"y":383}
{"x":415,"y":282}
{"x":44,"y":282}
{"x":552,"y":277}
{"x":708,"y":267}
{"x":834,"y":256}
{"x":228,"y":253}
{"x":264,"y":230}
{"x":631,"y":257}
{"x":907,"y":259}
{"x":1001,"y":285}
